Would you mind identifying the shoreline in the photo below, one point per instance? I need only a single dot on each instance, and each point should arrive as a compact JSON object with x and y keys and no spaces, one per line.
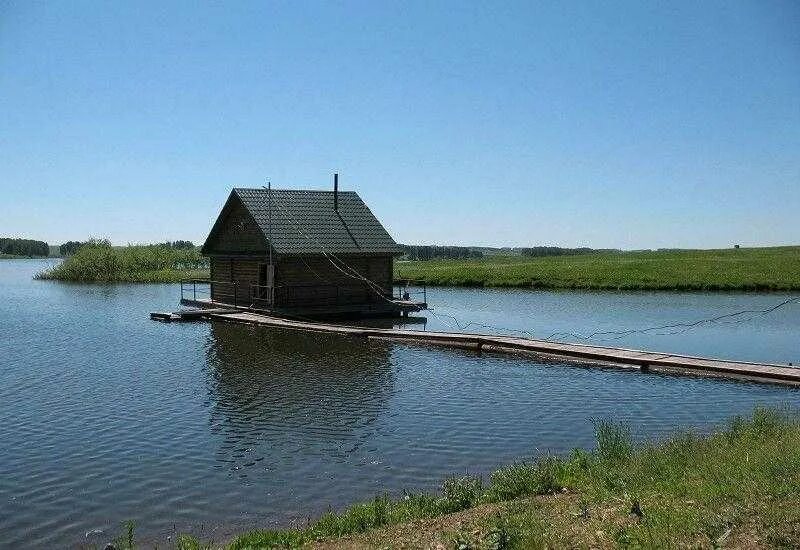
{"x":775,"y":269}
{"x":13,"y":257}
{"x":732,"y":485}
{"x":757,"y":270}
{"x":533,"y":288}
{"x":748,"y":270}
{"x":176,"y":276}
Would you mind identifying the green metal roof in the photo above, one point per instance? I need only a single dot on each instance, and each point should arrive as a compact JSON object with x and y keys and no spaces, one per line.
{"x":305,"y":222}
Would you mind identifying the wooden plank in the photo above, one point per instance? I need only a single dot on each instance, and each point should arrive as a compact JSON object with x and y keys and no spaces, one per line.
{"x":601,"y":354}
{"x":188,"y":315}
{"x":164,"y":317}
{"x":196,"y":313}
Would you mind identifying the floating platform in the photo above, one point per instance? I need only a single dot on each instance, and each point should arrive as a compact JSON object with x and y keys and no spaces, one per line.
{"x":586,"y":354}
{"x":379,"y":308}
{"x":189,"y":314}
{"x":582,"y":353}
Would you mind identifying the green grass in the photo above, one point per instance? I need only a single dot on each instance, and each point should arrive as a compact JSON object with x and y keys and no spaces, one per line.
{"x":756,"y":269}
{"x":740,"y":485}
{"x":752,"y":269}
{"x":129,"y":264}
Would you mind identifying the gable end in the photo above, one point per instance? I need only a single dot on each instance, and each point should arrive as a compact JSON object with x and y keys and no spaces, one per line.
{"x":235,"y":232}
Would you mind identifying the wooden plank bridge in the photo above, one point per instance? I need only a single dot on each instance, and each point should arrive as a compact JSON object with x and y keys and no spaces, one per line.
{"x":586,"y":354}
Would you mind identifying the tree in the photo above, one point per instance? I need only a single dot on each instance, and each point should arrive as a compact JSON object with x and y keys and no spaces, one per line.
{"x":181,"y":245}
{"x":69,"y":248}
{"x":24,"y":247}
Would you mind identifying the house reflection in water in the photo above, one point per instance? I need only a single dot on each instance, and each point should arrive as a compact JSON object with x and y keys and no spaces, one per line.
{"x":277,"y":395}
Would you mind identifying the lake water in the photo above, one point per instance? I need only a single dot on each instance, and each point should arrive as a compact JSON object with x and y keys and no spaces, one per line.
{"x":214,"y":428}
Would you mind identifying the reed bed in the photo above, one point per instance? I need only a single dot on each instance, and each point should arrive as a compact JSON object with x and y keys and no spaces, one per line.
{"x":129,"y":264}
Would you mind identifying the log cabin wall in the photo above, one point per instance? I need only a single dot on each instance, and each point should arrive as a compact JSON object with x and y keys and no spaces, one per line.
{"x":243,"y":271}
{"x":302,"y":280}
{"x":313,"y":280}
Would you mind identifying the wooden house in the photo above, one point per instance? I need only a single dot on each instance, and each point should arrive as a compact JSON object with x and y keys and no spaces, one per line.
{"x":303,"y":252}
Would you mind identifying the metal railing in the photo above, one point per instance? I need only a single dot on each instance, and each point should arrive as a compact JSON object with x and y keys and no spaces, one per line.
{"x":229,"y":292}
{"x":408,"y":289}
{"x":260,"y":296}
{"x":190,"y":290}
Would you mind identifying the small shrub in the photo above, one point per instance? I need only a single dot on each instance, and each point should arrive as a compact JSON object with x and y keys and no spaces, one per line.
{"x":614,"y":443}
{"x":268,"y":539}
{"x":461,"y":492}
{"x":380,"y":511}
{"x":527,"y":479}
{"x":126,"y":540}
{"x":327,"y":524}
{"x":188,"y":542}
{"x":766,"y":422}
{"x":417,"y":505}
{"x":736,"y":427}
{"x":462,"y":541}
{"x":501,"y":535}
{"x":763,"y":423}
{"x":581,"y":460}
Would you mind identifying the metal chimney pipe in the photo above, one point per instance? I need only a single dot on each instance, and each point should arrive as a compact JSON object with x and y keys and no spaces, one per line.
{"x":336,"y":192}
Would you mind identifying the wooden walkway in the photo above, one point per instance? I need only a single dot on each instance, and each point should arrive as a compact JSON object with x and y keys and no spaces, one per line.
{"x":581,"y":353}
{"x":188,"y":314}
{"x":380,"y":308}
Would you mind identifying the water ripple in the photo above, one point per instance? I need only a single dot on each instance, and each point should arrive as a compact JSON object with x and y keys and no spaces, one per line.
{"x":213,"y":428}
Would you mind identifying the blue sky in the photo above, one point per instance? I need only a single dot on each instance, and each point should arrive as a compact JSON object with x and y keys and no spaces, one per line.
{"x":606,"y":124}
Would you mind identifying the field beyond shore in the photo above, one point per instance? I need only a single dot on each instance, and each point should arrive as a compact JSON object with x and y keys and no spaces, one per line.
{"x":747,"y":269}
{"x":744,"y":269}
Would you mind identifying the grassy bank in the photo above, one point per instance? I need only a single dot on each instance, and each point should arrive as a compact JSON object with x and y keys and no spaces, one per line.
{"x":774,"y":268}
{"x":129,"y":264}
{"x":737,"y":488}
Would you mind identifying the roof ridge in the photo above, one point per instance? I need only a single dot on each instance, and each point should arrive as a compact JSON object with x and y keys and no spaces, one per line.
{"x":351,"y":228}
{"x":292,"y":190}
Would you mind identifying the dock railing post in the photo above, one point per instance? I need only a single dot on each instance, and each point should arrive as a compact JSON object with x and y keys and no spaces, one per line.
{"x":194,"y":289}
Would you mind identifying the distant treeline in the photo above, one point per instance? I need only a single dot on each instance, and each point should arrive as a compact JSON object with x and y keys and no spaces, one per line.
{"x":71,"y":247}
{"x":24,"y":247}
{"x":424,"y":252}
{"x":177,"y":245}
{"x":413,"y":252}
{"x":536,"y":251}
